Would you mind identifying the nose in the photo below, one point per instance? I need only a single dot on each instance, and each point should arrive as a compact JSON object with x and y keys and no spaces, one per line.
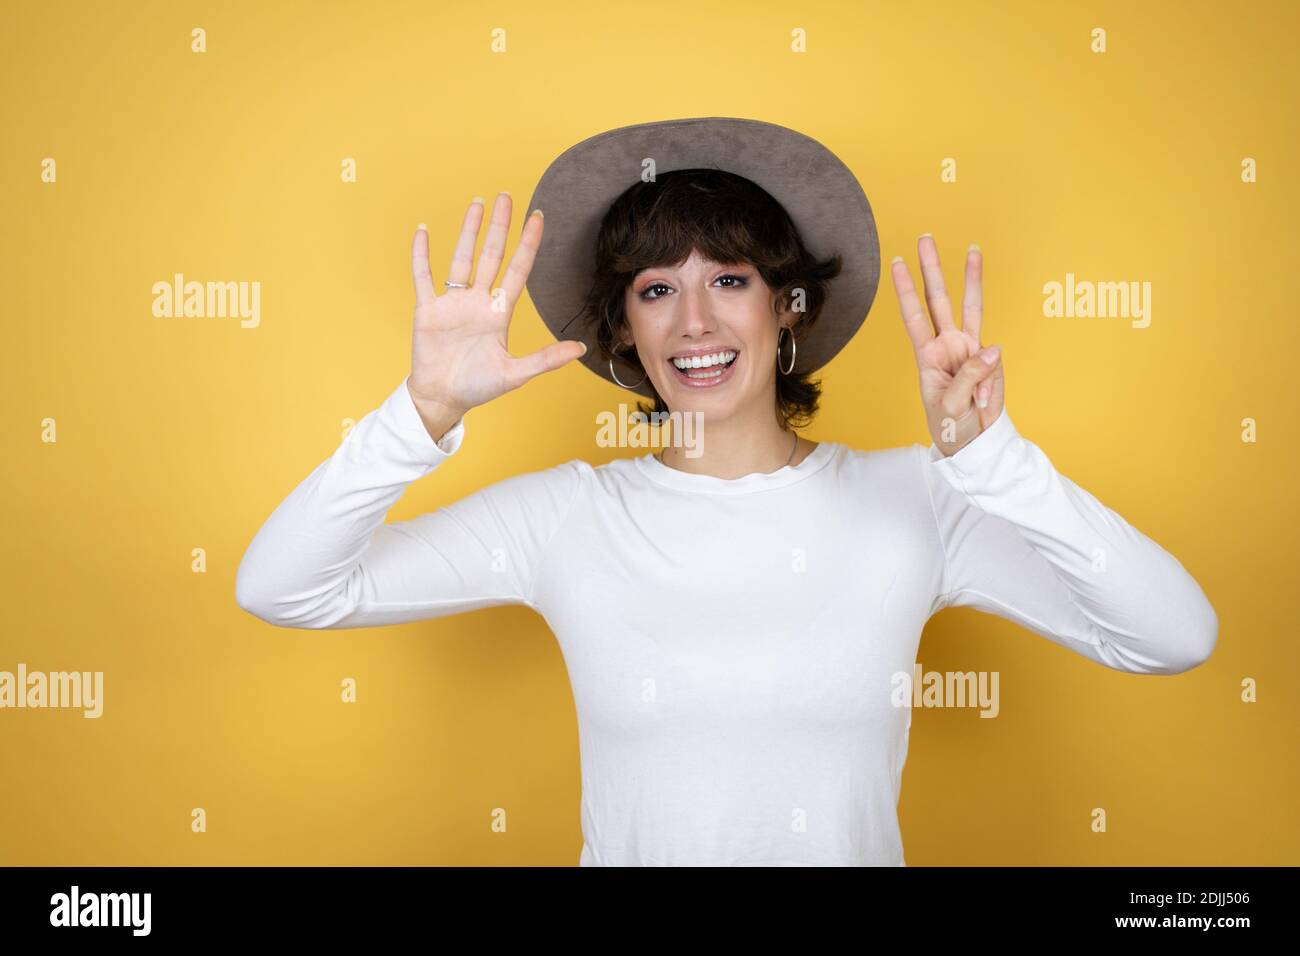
{"x":695,"y":314}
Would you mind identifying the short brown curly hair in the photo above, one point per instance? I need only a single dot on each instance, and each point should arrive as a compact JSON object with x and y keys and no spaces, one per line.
{"x":726,"y":218}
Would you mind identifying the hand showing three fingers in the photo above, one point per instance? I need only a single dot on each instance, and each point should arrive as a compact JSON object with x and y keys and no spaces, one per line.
{"x":955,"y":375}
{"x":459,"y":354}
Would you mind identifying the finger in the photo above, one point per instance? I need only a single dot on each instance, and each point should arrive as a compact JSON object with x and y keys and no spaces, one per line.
{"x":424,"y":294}
{"x":462,"y":260}
{"x":494,"y":246}
{"x":996,"y":385}
{"x":521,"y":263}
{"x":546,"y":359}
{"x":936,"y":295}
{"x":972,"y":300}
{"x":909,"y":303}
{"x":957,"y":400}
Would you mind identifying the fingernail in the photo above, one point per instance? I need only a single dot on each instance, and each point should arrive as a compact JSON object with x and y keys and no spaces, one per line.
{"x":895,"y":259}
{"x":422,"y":227}
{"x":505,"y":193}
{"x":477,"y":199}
{"x":990,"y":354}
{"x":924,"y":234}
{"x":538,"y":212}
{"x":973,"y":248}
{"x":584,"y":348}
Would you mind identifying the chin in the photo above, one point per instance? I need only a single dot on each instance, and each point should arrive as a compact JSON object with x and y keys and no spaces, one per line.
{"x":715,"y":406}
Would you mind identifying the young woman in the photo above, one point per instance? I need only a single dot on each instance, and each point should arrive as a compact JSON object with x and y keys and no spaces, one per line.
{"x":734,"y":622}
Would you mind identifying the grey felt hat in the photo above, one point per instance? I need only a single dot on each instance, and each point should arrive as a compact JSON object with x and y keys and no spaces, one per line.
{"x":820,"y":193}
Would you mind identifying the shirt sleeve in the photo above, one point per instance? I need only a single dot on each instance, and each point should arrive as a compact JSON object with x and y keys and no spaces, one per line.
{"x":326,"y":559}
{"x":1024,"y":542}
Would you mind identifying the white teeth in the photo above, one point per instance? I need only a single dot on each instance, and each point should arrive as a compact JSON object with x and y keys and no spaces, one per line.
{"x":704,"y":361}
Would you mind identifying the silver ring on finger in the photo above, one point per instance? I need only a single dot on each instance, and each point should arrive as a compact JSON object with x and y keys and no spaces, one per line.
{"x":455,"y":285}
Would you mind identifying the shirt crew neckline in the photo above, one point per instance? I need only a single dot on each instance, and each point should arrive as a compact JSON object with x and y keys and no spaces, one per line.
{"x":661,"y":474}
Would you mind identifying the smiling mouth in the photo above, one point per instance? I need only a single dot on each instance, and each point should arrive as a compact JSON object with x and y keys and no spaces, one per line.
{"x":705,"y":376}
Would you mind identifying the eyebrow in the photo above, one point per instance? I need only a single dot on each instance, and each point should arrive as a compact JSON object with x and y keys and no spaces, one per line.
{"x":708,"y":263}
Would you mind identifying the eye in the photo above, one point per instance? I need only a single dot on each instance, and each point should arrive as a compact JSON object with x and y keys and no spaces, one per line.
{"x":741,"y":282}
{"x":646,"y":290}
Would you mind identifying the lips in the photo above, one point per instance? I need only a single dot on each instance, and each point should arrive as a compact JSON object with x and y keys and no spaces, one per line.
{"x":710,"y":377}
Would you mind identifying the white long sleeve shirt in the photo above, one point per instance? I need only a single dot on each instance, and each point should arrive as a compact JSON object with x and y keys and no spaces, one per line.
{"x":733,"y":644}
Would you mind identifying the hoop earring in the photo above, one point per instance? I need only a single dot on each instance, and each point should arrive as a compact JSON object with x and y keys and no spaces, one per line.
{"x":614,"y":376}
{"x":794,"y":350}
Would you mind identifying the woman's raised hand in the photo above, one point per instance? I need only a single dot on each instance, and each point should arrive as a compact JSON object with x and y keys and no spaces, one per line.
{"x":961,"y":384}
{"x":459,"y":357}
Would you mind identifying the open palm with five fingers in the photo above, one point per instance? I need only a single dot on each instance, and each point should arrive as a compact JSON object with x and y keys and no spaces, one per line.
{"x":961,"y":384}
{"x":459,"y":354}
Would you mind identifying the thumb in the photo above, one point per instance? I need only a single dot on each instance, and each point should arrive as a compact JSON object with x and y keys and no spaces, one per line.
{"x":527,"y":367}
{"x":960,"y":394}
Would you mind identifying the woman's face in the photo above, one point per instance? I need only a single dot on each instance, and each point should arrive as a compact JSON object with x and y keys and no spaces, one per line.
{"x":699,"y":309}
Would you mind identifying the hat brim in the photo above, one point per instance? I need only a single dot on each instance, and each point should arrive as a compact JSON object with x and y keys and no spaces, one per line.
{"x":821,"y":195}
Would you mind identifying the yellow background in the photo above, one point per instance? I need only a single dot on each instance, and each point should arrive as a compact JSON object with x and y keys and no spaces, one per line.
{"x":175,"y":434}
